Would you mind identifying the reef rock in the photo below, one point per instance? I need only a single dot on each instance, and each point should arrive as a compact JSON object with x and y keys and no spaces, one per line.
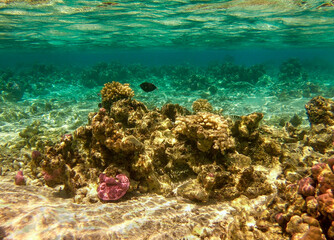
{"x":112,"y":92}
{"x":208,"y":131}
{"x":172,"y":111}
{"x":193,"y":191}
{"x":202,"y":105}
{"x":320,"y":110}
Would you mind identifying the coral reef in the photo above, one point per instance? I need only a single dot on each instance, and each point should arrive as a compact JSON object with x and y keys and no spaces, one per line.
{"x":296,"y":120}
{"x":126,"y":150}
{"x":232,"y":73}
{"x":304,"y":227}
{"x":320,"y":113}
{"x":57,"y":165}
{"x":268,"y":181}
{"x":10,"y":88}
{"x":312,"y":217}
{"x":12,"y":91}
{"x":194,"y":157}
{"x":101,"y":73}
{"x":202,"y":105}
{"x":173,"y":110}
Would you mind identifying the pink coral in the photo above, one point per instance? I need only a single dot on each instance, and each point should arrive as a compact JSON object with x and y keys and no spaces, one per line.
{"x":326,"y":202}
{"x":317,"y":169}
{"x":112,"y":188}
{"x":53,"y":178}
{"x":306,"y":187}
{"x":19,"y":178}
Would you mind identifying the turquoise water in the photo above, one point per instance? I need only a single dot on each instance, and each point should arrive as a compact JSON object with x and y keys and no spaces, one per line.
{"x":54,"y":50}
{"x":236,"y":24}
{"x":160,"y":32}
{"x":267,"y":56}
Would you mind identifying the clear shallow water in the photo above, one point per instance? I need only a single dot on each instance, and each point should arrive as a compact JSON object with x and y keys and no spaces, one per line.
{"x":51,"y":51}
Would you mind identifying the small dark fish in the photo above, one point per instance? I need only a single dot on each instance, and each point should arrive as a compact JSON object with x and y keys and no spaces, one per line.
{"x":148,"y":87}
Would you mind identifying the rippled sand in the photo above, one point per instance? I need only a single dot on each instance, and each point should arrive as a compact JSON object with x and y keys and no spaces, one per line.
{"x":28,"y":212}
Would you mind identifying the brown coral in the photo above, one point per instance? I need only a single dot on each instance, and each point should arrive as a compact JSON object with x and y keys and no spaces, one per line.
{"x":173,"y":110}
{"x":320,"y":110}
{"x":112,"y":92}
{"x":207,"y":130}
{"x":202,"y":105}
{"x":247,"y":126}
{"x":57,"y":165}
{"x":128,"y":112}
{"x":304,"y":228}
{"x":320,"y":138}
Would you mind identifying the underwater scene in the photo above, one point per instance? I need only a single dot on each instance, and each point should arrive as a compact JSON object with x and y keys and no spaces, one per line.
{"x":177,"y":119}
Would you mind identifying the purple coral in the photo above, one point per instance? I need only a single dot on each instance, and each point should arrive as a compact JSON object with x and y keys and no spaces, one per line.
{"x":19,"y":178}
{"x":112,"y":188}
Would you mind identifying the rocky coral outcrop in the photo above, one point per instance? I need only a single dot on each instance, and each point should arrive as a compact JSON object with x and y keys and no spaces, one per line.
{"x":172,"y":111}
{"x":320,"y":110}
{"x":112,"y":92}
{"x":196,"y":157}
{"x":208,"y":131}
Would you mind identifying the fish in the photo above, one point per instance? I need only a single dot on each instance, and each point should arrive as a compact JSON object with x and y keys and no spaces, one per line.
{"x":148,"y":87}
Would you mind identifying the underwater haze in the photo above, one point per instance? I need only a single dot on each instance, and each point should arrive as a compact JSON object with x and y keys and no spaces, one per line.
{"x":177,"y":119}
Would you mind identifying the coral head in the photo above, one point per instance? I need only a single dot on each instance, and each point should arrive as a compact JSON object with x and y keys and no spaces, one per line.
{"x":19,"y":178}
{"x":111,"y":189}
